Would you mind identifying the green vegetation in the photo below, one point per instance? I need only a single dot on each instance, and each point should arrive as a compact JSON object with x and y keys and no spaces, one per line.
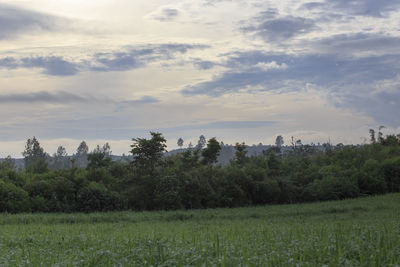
{"x":192,"y":179}
{"x":358,"y":232}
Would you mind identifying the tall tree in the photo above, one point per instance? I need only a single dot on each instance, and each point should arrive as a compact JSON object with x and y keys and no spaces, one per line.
{"x":279,"y":141}
{"x":59,"y":158}
{"x":240,"y":153}
{"x":202,"y":142}
{"x":211,"y":152}
{"x":380,"y":134}
{"x":106,"y":149}
{"x":372,"y":135}
{"x":61,"y":152}
{"x":82,"y":149}
{"x":148,"y":152}
{"x":34,"y":156}
{"x":180,"y":142}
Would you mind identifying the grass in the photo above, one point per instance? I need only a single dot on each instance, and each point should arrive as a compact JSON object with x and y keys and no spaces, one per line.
{"x":358,"y":232}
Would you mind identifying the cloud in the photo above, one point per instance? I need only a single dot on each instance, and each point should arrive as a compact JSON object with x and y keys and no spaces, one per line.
{"x":265,"y":66}
{"x":357,"y":44}
{"x":15,"y":21}
{"x":357,"y":7}
{"x":379,"y":100}
{"x":66,"y":97}
{"x":142,"y":100}
{"x":165,"y":14}
{"x":42,"y":97}
{"x":348,"y":82}
{"x":128,"y":59}
{"x":203,"y":64}
{"x":123,"y":105}
{"x":137,"y":57}
{"x":53,"y":65}
{"x":221,"y":125}
{"x":273,"y":29}
{"x":333,"y":61}
{"x":214,"y":2}
{"x":235,"y":124}
{"x":8,"y":63}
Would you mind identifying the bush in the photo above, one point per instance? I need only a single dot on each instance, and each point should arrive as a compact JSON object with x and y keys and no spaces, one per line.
{"x":331,"y":188}
{"x":391,"y":171}
{"x":96,"y":197}
{"x":13,"y":199}
{"x":167,"y":193}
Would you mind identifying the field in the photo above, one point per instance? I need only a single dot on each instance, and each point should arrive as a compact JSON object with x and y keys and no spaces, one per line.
{"x":358,"y":232}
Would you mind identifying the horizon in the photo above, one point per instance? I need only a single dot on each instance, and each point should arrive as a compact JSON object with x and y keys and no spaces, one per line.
{"x":93,"y":144}
{"x":240,"y":71}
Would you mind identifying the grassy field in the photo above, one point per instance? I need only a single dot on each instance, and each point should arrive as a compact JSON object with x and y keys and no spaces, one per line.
{"x":358,"y":232}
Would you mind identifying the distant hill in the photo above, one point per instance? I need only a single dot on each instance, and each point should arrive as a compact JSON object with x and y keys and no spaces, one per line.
{"x":226,"y":154}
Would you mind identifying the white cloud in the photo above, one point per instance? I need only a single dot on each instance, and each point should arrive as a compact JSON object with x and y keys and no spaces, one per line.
{"x":271,"y":65}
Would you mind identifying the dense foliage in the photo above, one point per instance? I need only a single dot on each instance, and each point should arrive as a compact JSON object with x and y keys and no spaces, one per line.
{"x":192,"y":179}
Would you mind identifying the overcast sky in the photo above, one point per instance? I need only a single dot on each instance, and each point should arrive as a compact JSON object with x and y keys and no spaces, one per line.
{"x":239,"y":70}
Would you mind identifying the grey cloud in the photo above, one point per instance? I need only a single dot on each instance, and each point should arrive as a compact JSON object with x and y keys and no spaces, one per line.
{"x":137,"y":57}
{"x":123,"y":105}
{"x":52,"y":65}
{"x":203,"y":64}
{"x":235,"y":124}
{"x":142,"y":100}
{"x":130,"y":58}
{"x":62,"y":97}
{"x":357,"y":7}
{"x":56,"y":66}
{"x":166,"y":14}
{"x":14,"y":21}
{"x":8,"y":63}
{"x":273,"y":29}
{"x":115,"y":62}
{"x":214,"y":2}
{"x":325,"y":70}
{"x":383,"y":106}
{"x":221,"y":125}
{"x":42,"y":97}
{"x":351,"y":82}
{"x":348,"y":44}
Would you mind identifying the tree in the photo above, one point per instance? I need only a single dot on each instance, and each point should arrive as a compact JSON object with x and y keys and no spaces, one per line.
{"x":279,"y":141}
{"x":106,"y":149}
{"x":61,"y":152}
{"x":299,"y":143}
{"x":59,"y":158}
{"x":180,"y":142}
{"x":82,"y":149}
{"x":7,"y":163}
{"x":380,"y":134}
{"x":211,"y":152}
{"x":80,"y":158}
{"x":372,"y":135}
{"x":202,"y":142}
{"x":148,"y":152}
{"x":34,"y":156}
{"x":99,"y":157}
{"x":240,"y":153}
{"x":98,"y":160}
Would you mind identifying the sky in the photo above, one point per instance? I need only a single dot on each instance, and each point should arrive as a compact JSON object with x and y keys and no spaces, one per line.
{"x":238,"y":70}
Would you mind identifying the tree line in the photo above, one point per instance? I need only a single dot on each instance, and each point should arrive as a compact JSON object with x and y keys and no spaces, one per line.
{"x":193,"y":179}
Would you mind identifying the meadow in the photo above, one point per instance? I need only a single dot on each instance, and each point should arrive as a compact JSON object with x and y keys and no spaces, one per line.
{"x":356,"y":232}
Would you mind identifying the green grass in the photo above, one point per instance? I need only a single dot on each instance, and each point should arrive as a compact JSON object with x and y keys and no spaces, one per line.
{"x":358,"y":232}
